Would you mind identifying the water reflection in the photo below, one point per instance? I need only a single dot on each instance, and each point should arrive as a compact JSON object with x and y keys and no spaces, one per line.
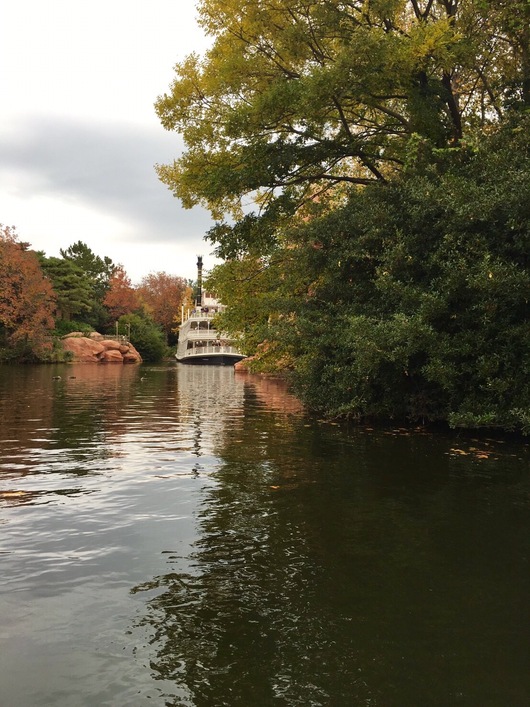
{"x":345,"y":568}
{"x":186,"y":536}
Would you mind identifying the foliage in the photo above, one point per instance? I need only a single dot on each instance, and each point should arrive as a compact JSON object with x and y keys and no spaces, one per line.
{"x":26,"y":301}
{"x":97,"y":273}
{"x":421,"y":307}
{"x":74,"y":293}
{"x":411,"y":300}
{"x":63,"y":327}
{"x":146,"y":336}
{"x":162,"y":297}
{"x":385,"y":148}
{"x":97,"y":270}
{"x":121,"y":297}
{"x":297,"y":99}
{"x":261,"y":295}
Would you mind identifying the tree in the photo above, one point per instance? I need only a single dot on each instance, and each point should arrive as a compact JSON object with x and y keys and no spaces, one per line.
{"x":297,"y":99}
{"x":146,"y":335}
{"x":73,"y":291}
{"x":382,"y":145}
{"x":162,"y":296}
{"x":121,"y":297}
{"x":97,"y":272}
{"x":27,"y":299}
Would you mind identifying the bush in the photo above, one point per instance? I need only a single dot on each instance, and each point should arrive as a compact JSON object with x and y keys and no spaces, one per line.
{"x":146,"y":336}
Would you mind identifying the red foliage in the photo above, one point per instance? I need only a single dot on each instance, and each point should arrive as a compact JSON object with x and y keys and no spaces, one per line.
{"x":27,"y":299}
{"x":121,"y":297}
{"x":162,"y":295}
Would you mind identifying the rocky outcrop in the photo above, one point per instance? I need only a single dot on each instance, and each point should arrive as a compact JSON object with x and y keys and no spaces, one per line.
{"x":96,"y":349}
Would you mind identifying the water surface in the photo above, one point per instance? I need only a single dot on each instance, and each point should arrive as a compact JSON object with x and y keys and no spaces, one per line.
{"x":180,"y":535}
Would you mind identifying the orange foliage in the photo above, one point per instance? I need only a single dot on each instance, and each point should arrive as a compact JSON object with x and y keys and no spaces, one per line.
{"x":27,"y":299}
{"x":121,"y":297}
{"x":162,"y":296}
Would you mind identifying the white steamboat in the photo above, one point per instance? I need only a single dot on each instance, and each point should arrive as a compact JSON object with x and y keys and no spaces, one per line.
{"x":199,"y":340}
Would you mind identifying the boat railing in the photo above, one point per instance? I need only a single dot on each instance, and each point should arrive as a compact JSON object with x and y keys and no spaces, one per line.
{"x":197,"y":314}
{"x":209,"y":350}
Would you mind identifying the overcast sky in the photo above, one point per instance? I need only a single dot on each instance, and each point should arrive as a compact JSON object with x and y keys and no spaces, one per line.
{"x":79,"y":137}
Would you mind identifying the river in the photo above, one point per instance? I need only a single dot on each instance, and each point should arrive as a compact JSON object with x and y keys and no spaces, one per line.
{"x":175,"y":535}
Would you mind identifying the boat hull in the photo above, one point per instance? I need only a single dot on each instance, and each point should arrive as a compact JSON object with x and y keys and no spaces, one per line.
{"x":211,"y":359}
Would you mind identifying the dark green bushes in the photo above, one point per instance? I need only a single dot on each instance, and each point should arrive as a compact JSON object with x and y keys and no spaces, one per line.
{"x":421,"y":303}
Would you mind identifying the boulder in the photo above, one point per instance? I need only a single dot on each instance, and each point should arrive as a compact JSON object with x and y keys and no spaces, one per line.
{"x":111,"y":356}
{"x":110,"y":345}
{"x":83,"y":349}
{"x":132,"y":355}
{"x":96,"y":349}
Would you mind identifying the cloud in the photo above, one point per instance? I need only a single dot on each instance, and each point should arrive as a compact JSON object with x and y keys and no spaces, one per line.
{"x":107,"y":167}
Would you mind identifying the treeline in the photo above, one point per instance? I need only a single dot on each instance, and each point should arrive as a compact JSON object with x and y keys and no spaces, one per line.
{"x":386,"y":146}
{"x":43,"y":298}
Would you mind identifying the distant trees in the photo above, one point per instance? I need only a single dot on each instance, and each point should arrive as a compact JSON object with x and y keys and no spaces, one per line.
{"x":43,"y":297}
{"x":147,"y":336}
{"x":97,"y":272}
{"x":27,"y":300}
{"x":162,"y":297}
{"x":74,"y":294}
{"x":121,"y":297}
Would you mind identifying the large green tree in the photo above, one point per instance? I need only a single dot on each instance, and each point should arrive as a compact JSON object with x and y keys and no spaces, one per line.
{"x":295,"y":100}
{"x":367,"y":162}
{"x":97,"y":272}
{"x":411,"y":300}
{"x":73,"y":291}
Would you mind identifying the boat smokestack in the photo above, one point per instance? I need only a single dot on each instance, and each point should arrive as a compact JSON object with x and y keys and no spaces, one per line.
{"x":199,"y":281}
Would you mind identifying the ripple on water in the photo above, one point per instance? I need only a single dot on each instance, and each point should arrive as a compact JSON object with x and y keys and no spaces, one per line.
{"x":193,"y":539}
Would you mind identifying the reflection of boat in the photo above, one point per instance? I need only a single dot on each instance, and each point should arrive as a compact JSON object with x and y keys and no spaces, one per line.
{"x":199,"y":340}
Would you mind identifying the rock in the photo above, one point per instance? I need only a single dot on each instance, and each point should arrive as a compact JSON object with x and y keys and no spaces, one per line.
{"x":132,"y":355}
{"x":96,"y":349}
{"x":83,"y":349}
{"x":242,"y":366}
{"x":111,"y":356}
{"x":109,"y":344}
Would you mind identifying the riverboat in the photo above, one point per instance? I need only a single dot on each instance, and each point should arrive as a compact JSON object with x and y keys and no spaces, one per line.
{"x":199,"y":340}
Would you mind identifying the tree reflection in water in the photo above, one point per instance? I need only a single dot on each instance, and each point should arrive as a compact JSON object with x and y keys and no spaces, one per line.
{"x":342,"y":568}
{"x":244,"y":625}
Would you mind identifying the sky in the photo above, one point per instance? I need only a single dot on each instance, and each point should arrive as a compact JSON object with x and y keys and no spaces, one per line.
{"x":79,"y":136}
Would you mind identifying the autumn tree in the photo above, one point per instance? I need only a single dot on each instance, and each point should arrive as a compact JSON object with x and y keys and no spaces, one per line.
{"x":121,"y":297}
{"x":162,"y":296}
{"x":27,"y":299}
